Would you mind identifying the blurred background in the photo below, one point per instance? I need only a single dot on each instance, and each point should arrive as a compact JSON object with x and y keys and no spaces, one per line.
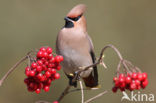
{"x":130,"y":25}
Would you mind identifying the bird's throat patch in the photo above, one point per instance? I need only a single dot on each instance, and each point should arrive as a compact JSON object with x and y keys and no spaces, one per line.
{"x":68,"y":24}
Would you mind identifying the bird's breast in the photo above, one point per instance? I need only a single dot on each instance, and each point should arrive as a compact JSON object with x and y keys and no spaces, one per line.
{"x":74,"y":47}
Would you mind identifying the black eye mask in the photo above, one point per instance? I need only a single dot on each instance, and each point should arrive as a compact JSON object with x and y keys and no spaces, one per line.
{"x":75,"y":19}
{"x":69,"y":23}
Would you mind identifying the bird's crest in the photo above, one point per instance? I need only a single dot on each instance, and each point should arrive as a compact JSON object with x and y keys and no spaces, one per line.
{"x":77,"y":11}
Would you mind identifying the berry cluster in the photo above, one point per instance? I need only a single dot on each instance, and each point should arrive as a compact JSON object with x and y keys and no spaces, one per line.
{"x":131,"y":81}
{"x":42,"y":70}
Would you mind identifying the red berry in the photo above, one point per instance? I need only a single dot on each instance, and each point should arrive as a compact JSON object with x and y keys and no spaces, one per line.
{"x":114,"y":89}
{"x":121,"y":75}
{"x":43,"y":60}
{"x":44,"y":67}
{"x":39,"y":62}
{"x":39,"y":68}
{"x":40,"y":54}
{"x":128,"y":80}
{"x":53,"y":71}
{"x":43,"y":78}
{"x":137,"y":82}
{"x":122,"y":89}
{"x":26,"y":81}
{"x":46,"y":88}
{"x":48,"y":74}
{"x":139,"y":76}
{"x":115,"y":79}
{"x":129,"y":74}
{"x":55,"y":102}
{"x":50,"y":56}
{"x":40,"y":85}
{"x":45,"y":54}
{"x":49,"y":50}
{"x":144,"y":76}
{"x":57,"y":76}
{"x":138,"y":87}
{"x":46,"y":63}
{"x":122,"y":85}
{"x":43,"y":49}
{"x":132,"y":86}
{"x":134,"y":75}
{"x":121,"y":79}
{"x":57,"y":58}
{"x":39,"y":76}
{"x":32,"y":73}
{"x":117,"y":84}
{"x":34,"y":65}
{"x":32,"y":85}
{"x":30,"y":89}
{"x":27,"y":69}
{"x":38,"y":90}
{"x":50,"y":65}
{"x":61,"y":58}
{"x":27,"y":73}
{"x":58,"y":67}
{"x":52,"y":60}
{"x":144,"y":83}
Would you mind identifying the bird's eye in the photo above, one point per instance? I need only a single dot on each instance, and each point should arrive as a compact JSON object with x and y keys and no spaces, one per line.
{"x":76,"y":18}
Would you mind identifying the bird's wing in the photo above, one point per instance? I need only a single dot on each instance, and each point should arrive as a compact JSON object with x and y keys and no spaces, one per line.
{"x":95,"y":72}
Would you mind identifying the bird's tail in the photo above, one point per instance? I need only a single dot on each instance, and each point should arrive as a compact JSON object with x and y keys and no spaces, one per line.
{"x":92,"y":80}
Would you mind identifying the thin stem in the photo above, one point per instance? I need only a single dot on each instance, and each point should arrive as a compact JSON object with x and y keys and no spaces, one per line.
{"x":86,"y":68}
{"x":82,"y":93}
{"x":42,"y":102}
{"x":118,"y":67}
{"x":11,"y":69}
{"x":64,"y":93}
{"x":101,"y":55}
{"x":95,"y":97}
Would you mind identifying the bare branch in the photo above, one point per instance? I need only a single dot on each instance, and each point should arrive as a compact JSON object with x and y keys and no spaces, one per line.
{"x":95,"y":97}
{"x":64,"y":93}
{"x":11,"y":69}
{"x":82,"y":93}
{"x":42,"y":102}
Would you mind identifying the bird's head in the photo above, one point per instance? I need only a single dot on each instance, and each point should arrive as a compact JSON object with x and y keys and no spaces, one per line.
{"x":75,"y":17}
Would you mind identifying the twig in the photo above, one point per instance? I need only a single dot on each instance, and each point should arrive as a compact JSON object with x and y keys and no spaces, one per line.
{"x":101,"y":55}
{"x":118,"y":68}
{"x":11,"y":69}
{"x":41,"y":101}
{"x":95,"y":97}
{"x":82,"y":93}
{"x":64,"y":93}
{"x":87,"y":67}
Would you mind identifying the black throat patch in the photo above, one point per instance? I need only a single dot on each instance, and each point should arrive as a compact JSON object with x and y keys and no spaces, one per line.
{"x":68,"y":24}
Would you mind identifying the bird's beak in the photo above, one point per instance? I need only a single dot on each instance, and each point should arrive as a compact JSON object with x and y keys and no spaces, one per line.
{"x":67,"y":19}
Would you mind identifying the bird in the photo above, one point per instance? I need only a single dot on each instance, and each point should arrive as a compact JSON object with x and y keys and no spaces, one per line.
{"x":76,"y":47}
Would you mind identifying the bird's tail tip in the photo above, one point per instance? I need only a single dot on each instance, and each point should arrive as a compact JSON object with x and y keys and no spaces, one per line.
{"x":94,"y":88}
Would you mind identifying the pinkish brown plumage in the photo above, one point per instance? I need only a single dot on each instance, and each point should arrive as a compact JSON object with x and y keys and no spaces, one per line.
{"x":75,"y":45}
{"x":77,"y":10}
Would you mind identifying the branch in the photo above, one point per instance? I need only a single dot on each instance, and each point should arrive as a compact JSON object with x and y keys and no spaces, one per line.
{"x":64,"y":93}
{"x":11,"y":69}
{"x":82,"y":94}
{"x":41,"y":101}
{"x":95,"y":97}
